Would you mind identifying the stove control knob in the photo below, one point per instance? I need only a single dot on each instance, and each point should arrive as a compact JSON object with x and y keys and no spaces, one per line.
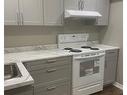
{"x":93,"y":54}
{"x":87,"y":55}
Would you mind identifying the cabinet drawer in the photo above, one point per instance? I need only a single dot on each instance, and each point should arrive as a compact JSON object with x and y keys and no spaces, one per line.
{"x":51,"y":74}
{"x":42,"y":64}
{"x":110,"y":53}
{"x":54,"y":89}
{"x":88,"y":90}
{"x":34,"y":65}
{"x":25,"y":90}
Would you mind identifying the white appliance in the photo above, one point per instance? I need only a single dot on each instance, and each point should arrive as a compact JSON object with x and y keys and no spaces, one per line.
{"x":81,"y":14}
{"x":88,"y":63}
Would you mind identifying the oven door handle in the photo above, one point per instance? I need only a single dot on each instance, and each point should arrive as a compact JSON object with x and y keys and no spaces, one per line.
{"x":82,"y":58}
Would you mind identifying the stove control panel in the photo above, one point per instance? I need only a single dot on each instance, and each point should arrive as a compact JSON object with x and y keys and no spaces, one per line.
{"x":70,"y":38}
{"x":87,"y":55}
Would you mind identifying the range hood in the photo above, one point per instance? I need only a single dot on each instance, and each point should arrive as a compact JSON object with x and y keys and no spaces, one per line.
{"x":81,"y":14}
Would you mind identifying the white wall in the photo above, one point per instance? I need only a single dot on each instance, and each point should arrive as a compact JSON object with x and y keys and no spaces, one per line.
{"x":113,"y":35}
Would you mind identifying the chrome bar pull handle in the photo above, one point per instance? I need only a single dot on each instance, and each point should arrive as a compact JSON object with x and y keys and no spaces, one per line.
{"x":17,"y":16}
{"x":51,"y":70}
{"x":78,"y":4}
{"x":105,"y":64}
{"x":22,"y":18}
{"x":51,"y":61}
{"x":82,"y":5}
{"x":51,"y":88}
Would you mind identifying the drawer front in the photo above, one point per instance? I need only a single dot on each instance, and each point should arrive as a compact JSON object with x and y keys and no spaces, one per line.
{"x":88,"y":90}
{"x":25,"y":90}
{"x":42,"y":64}
{"x":111,"y":53}
{"x":54,"y":89}
{"x":34,"y":65}
{"x":51,"y":74}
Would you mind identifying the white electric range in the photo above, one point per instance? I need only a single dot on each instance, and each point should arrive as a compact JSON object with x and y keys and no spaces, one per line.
{"x":88,"y":63}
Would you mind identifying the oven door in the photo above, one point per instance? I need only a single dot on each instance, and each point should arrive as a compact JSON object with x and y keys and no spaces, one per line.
{"x":88,"y":70}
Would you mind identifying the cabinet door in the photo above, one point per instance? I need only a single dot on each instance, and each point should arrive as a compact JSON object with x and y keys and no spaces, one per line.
{"x":103,"y":9}
{"x":53,"y":12}
{"x":25,"y":90}
{"x":59,"y":88}
{"x":31,"y":12}
{"x":88,"y":5}
{"x":110,"y":66}
{"x":11,"y":12}
{"x":71,"y":4}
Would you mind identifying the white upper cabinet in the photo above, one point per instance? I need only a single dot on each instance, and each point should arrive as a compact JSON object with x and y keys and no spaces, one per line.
{"x":71,"y":4}
{"x":53,"y":12}
{"x":80,"y":4}
{"x":23,"y":12}
{"x":103,"y":8}
{"x":31,"y":12}
{"x":88,"y":5}
{"x":11,"y":12}
{"x":50,"y":12}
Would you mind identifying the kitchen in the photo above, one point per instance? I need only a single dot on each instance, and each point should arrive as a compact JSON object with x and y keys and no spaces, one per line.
{"x":63,"y":47}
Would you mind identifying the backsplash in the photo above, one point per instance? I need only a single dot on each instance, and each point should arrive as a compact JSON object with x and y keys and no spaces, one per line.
{"x":16,"y":36}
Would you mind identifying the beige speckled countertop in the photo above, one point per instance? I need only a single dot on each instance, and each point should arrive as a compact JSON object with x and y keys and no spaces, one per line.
{"x":35,"y":55}
{"x":105,"y":47}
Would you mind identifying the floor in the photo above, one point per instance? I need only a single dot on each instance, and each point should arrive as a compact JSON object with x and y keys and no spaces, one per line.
{"x":110,"y":90}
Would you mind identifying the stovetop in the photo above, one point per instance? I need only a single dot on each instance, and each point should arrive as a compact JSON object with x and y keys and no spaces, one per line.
{"x":73,"y":50}
{"x":82,"y":49}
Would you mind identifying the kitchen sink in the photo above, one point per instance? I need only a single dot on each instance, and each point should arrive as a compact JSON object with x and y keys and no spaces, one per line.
{"x":11,"y":71}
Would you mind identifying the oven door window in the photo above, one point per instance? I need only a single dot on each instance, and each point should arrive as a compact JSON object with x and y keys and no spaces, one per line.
{"x":89,"y":67}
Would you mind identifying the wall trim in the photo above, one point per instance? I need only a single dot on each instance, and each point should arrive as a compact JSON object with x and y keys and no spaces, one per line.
{"x":118,"y":85}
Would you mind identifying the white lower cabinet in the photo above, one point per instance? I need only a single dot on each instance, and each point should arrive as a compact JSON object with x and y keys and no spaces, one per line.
{"x":111,"y":60}
{"x":59,"y":88}
{"x":51,"y":76}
